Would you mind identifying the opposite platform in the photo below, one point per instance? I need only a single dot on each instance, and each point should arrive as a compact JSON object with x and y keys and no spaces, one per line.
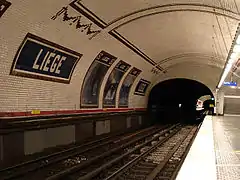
{"x":215,"y":153}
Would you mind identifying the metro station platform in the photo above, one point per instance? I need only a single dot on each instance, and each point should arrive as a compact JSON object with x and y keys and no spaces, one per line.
{"x":215,"y":152}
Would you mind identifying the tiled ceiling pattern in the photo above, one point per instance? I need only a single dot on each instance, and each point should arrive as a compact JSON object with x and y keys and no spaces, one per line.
{"x":172,"y":32}
{"x":110,"y":10}
{"x":207,"y":75}
{"x":165,"y":35}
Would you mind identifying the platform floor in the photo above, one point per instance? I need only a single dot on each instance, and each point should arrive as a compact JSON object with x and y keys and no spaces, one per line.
{"x":215,"y":153}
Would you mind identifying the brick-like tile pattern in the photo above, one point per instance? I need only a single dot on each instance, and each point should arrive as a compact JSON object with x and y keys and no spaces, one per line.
{"x":25,"y":94}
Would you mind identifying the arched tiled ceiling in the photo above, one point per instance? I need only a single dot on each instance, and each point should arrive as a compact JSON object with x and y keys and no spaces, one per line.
{"x":165,"y":35}
{"x":193,"y":63}
{"x":168,"y":8}
{"x":207,"y":75}
{"x":192,"y":57}
{"x":174,"y":32}
{"x":112,"y":11}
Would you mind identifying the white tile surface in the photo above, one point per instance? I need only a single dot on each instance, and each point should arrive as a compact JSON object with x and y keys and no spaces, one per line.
{"x":200,"y":161}
{"x":226,"y":135}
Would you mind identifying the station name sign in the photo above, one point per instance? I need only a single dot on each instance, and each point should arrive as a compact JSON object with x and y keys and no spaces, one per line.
{"x":230,"y":83}
{"x":42,"y":59}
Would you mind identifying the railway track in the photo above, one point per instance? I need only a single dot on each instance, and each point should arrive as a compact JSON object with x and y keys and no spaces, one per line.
{"x":158,"y":157}
{"x":119,"y":156}
{"x":169,"y":167}
{"x":50,"y":165}
{"x":161,"y":162}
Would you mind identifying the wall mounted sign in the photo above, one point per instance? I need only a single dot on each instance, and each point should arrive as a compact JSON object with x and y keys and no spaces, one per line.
{"x":109,"y":96}
{"x":93,"y":79}
{"x":142,"y":87}
{"x":35,"y":111}
{"x":230,"y":83}
{"x":4,"y":5}
{"x":42,"y":59}
{"x":126,"y":86}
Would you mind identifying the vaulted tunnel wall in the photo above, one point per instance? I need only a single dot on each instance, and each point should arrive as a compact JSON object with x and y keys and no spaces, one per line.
{"x":74,"y":31}
{"x":64,"y":30}
{"x":21,"y":94}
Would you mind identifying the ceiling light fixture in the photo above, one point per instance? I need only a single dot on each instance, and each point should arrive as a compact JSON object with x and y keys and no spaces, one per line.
{"x":236,"y":48}
{"x":233,"y":55}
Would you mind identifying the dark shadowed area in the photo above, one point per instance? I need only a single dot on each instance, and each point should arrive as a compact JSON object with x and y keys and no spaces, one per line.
{"x":175,"y":100}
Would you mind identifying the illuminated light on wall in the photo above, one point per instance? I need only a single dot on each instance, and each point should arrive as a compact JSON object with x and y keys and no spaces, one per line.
{"x":238,"y":40}
{"x":230,"y":96}
{"x":233,"y":56}
{"x":224,"y":75}
{"x":231,"y":61}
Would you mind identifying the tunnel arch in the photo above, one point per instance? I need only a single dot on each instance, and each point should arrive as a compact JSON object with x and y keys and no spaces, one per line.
{"x":175,"y":100}
{"x":190,"y":70}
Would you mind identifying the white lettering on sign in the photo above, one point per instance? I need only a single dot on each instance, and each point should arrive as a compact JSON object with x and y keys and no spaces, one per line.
{"x":54,"y":64}
{"x":35,"y":65}
{"x":41,"y":67}
{"x":46,"y":68}
{"x":51,"y":62}
{"x":60,"y":64}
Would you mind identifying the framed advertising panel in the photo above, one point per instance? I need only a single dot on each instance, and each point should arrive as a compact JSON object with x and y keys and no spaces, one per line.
{"x":93,"y":79}
{"x":141,"y":87}
{"x":109,"y":96}
{"x":126,"y":87}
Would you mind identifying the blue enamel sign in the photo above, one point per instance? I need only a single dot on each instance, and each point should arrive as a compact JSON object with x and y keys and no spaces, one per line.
{"x":42,"y":59}
{"x":230,"y":83}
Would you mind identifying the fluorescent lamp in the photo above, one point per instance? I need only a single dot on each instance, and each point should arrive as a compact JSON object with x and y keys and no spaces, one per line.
{"x":233,"y":55}
{"x":228,"y":67}
{"x":231,"y":61}
{"x":224,"y":75}
{"x":230,"y":96}
{"x":236,"y":48}
{"x":238,"y":39}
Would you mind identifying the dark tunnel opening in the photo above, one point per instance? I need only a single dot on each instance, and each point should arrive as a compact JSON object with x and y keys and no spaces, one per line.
{"x":175,"y":100}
